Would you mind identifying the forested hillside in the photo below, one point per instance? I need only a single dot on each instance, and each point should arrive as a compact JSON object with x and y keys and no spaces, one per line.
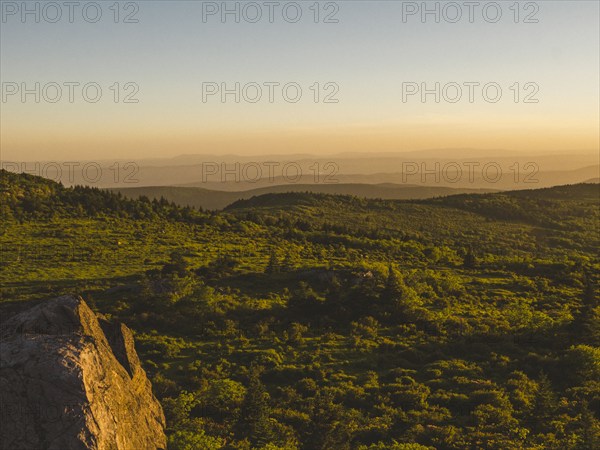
{"x":318,"y":322}
{"x":208,"y":199}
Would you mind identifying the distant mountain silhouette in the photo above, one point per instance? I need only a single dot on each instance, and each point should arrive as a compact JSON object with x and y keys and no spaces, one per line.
{"x":213,"y":199}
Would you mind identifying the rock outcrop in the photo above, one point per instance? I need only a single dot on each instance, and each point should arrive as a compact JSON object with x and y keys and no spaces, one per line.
{"x":72,"y":381}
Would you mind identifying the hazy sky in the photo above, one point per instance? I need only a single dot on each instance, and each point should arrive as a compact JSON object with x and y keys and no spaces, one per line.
{"x":366,"y":56}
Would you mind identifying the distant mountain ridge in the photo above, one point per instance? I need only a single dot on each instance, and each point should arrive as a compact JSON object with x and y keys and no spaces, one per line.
{"x":212,"y":199}
{"x":243,"y":172}
{"x":509,"y":179}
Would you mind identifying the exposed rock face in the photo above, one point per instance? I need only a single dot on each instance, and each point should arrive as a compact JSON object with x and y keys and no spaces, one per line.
{"x":69,"y":381}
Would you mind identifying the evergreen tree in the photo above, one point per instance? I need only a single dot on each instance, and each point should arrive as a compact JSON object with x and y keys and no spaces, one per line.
{"x":273,"y":264}
{"x":469,"y":260}
{"x":177,"y":265}
{"x":330,"y":428}
{"x":397,"y":298}
{"x":287,"y":264}
{"x":393,"y":286}
{"x":586,"y":325}
{"x":590,"y":429}
{"x":545,"y":402}
{"x":255,"y":422}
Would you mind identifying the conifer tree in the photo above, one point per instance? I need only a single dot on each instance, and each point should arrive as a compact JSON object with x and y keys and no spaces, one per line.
{"x":545,"y":402}
{"x":255,"y":422}
{"x":397,"y":298}
{"x":587,"y":321}
{"x":590,"y":428}
{"x":469,"y":260}
{"x":273,"y":264}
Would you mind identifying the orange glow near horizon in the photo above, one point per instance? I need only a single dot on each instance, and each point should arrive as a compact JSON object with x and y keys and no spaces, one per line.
{"x":56,"y":143}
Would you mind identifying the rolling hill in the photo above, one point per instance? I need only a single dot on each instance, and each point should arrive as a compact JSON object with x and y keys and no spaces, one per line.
{"x":333,"y":322}
{"x":213,"y":200}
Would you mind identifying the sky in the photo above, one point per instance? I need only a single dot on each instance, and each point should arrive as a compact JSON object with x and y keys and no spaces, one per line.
{"x":353,"y":70}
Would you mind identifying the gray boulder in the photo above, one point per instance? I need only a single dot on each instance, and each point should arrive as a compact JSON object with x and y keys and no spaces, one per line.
{"x":72,"y":381}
